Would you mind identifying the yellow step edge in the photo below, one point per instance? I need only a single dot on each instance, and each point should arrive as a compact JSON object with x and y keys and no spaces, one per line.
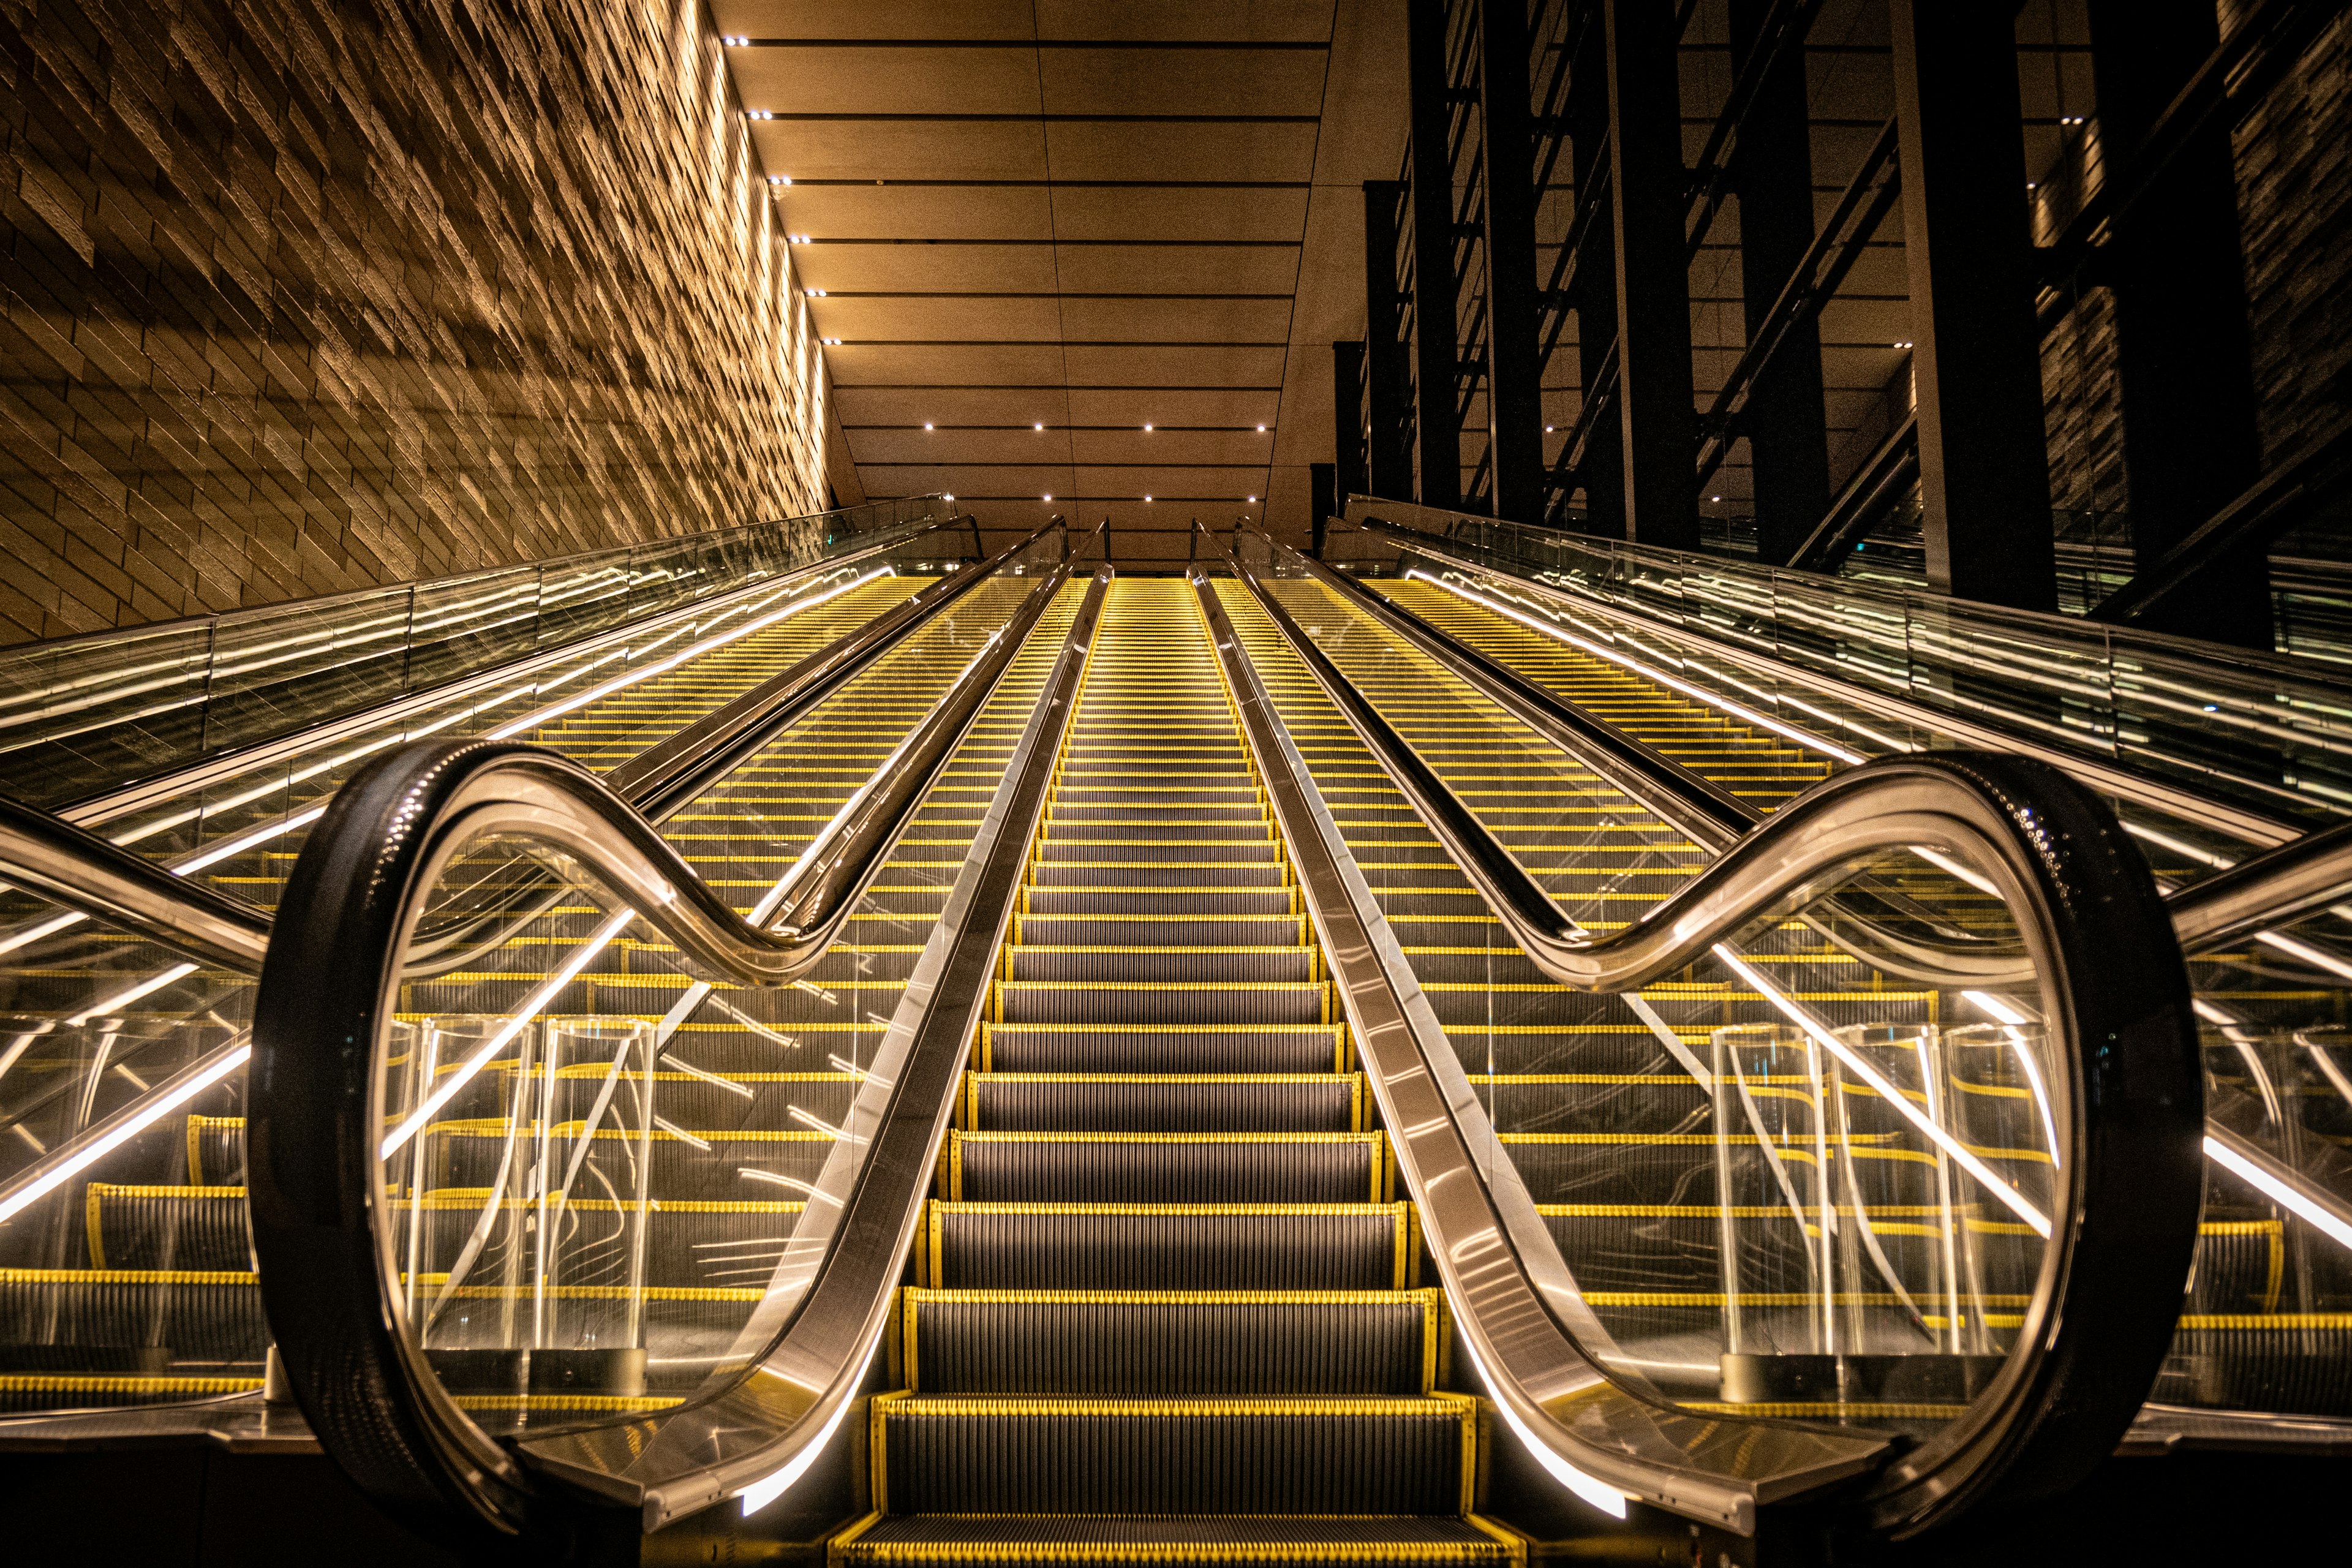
{"x":1506,"y":1547}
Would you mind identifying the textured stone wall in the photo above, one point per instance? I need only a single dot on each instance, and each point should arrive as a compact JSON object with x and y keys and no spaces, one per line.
{"x":301,"y":296}
{"x":2294,"y":193}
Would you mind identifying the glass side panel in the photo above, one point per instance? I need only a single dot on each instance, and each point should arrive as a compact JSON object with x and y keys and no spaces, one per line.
{"x":106,"y":1022}
{"x":84,"y":714}
{"x":1791,"y":1180}
{"x":2262,"y":732}
{"x":618,"y":1205}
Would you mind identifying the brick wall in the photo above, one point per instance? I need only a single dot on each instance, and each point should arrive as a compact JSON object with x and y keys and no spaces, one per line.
{"x":300,"y":296}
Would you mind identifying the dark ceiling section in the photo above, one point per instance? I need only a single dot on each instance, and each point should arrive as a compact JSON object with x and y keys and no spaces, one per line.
{"x":1057,"y":249}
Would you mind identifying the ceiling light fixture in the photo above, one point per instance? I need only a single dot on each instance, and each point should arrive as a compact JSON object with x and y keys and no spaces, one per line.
{"x":834,"y":341}
{"x":1036,"y":427}
{"x":1147,"y":427}
{"x":1147,"y":498}
{"x":780,"y":179}
{"x":927,"y":424}
{"x":735,"y":40}
{"x":816,"y":293}
{"x":1261,"y":429}
{"x":1252,"y":501}
{"x":759,"y":114}
{"x":1548,"y":429}
{"x":1049,"y":498}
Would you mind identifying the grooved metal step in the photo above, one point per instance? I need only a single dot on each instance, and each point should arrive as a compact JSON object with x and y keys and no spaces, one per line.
{"x":1164,"y":1103}
{"x":1146,"y":1247}
{"x":1175,"y":1168}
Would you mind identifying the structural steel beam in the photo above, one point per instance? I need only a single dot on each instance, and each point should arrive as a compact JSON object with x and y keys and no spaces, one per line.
{"x":1437,"y":426}
{"x":1599,"y":464}
{"x":1514,"y":371}
{"x":1984,"y":475}
{"x":1350,"y":429}
{"x":1387,"y":373}
{"x":1786,"y":418}
{"x":2184,"y":354}
{"x":1649,"y":197}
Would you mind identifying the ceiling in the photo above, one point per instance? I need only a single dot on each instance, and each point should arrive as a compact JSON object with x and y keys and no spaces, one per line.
{"x":1089,"y":216}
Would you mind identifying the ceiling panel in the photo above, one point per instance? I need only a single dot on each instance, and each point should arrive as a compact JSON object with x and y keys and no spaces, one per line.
{"x":910,"y":406}
{"x":1198,"y":81}
{"x":1082,"y":215}
{"x":1178,"y":212}
{"x":1187,"y":21}
{"x":903,"y":318}
{"x":789,"y":78}
{"x":1187,"y":150}
{"x":1168,"y":366}
{"x":1130,"y":319}
{"x":1191,"y":268}
{"x":867,"y":150}
{"x":931,"y":212}
{"x":922,"y":266}
{"x":900,"y":19}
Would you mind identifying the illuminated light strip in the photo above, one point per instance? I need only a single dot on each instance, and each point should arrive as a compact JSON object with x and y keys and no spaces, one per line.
{"x":769,"y":1487}
{"x":1722,"y":704}
{"x":45,"y":927}
{"x":147,"y":1117}
{"x":2302,"y":1206}
{"x":707,"y":1076}
{"x":827,"y":1128}
{"x":124,"y":998}
{"x":2166,"y":841}
{"x":1862,"y":1069}
{"x":2306,"y":951}
{"x":531,"y":1008}
{"x":1590,"y":1488}
{"x":792,"y":1182}
{"x":680,"y":1134}
{"x":1952,"y":867}
{"x":621,"y":682}
{"x":2013,"y":1018}
{"x":220,"y":852}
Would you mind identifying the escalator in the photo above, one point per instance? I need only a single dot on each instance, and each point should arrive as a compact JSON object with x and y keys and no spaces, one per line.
{"x":127,"y":1277}
{"x":2261,"y":1359}
{"x":1211,"y":1163}
{"x":1169,"y":1302}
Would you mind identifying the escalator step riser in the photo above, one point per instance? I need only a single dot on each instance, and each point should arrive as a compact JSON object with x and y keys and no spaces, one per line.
{"x":210,"y":1321}
{"x":1212,"y":1004}
{"x":1034,"y":1048}
{"x":1174,"y":880}
{"x":1169,"y":1350}
{"x":1192,"y":1171}
{"x":1280,"y":930}
{"x":167,"y":1229}
{"x":1240,"y":904}
{"x":1176,"y":844}
{"x":1329,"y":1460}
{"x":1231,"y":1542}
{"x":1282,"y":966}
{"x":1357,"y":1249}
{"x":1099,"y":1107}
{"x":2288,"y":1368}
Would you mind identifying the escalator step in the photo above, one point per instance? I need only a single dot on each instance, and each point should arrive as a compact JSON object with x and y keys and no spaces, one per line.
{"x":1172,"y":1457}
{"x":1167,"y":876}
{"x":1147,"y":847}
{"x":1159,"y":1048}
{"x":1146,"y":1247}
{"x":1161,"y":929}
{"x":1192,"y":901}
{"x":1255,"y":1102}
{"x":1168,"y":965}
{"x":1027,"y":1002}
{"x":1171,"y":1168}
{"x":1171,"y":1344}
{"x":984,"y":1542}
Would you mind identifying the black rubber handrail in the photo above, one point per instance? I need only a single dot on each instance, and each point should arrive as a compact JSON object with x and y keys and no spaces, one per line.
{"x":2114,"y":1001}
{"x":330,"y":988}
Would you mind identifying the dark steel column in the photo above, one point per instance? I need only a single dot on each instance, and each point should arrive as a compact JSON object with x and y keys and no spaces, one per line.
{"x":1321,"y":502}
{"x":1388,"y":447}
{"x":2184,"y":355}
{"x":1514,"y":371}
{"x":1648,"y":194}
{"x":1436,"y":425}
{"x":1348,"y":433}
{"x":1592,"y":293}
{"x":1984,"y":472}
{"x":1786,"y":419}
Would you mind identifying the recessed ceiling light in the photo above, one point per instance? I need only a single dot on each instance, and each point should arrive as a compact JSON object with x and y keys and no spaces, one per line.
{"x":1714,"y":498}
{"x":1547,"y":429}
{"x":1261,"y":429}
{"x":947,"y":498}
{"x":1147,"y":426}
{"x":759,"y":114}
{"x":1049,"y":498}
{"x":1252,"y":501}
{"x":816,"y":293}
{"x":1147,"y":498}
{"x":927,"y":424}
{"x":780,"y":179}
{"x":735,"y":40}
{"x":834,"y":341}
{"x":1036,"y":427}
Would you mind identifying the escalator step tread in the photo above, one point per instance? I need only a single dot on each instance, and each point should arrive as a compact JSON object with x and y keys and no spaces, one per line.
{"x":1131,"y":1246}
{"x":1397,"y":1539}
{"x":1165,"y":1102}
{"x":1172,"y":1343}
